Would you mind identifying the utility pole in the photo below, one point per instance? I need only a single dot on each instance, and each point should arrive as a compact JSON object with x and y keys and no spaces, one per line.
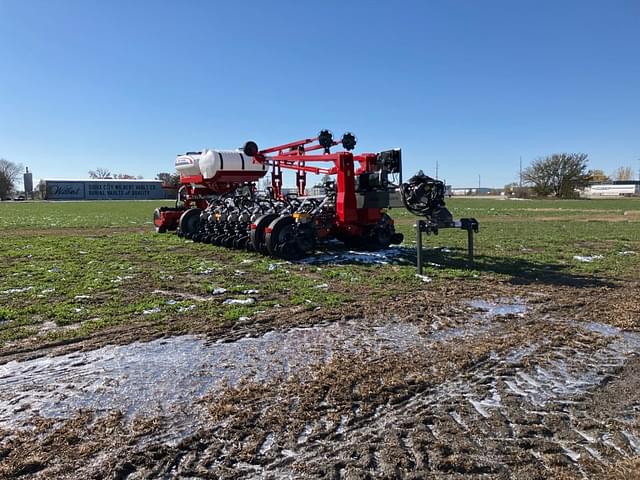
{"x":478,"y":184}
{"x":520,"y":183}
{"x":437,"y":169}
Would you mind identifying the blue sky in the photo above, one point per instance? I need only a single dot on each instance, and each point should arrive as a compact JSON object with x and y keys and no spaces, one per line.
{"x":473,"y":85}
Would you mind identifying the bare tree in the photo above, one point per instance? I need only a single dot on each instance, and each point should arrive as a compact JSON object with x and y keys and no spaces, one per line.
{"x":124,"y":176}
{"x":623,"y":174}
{"x":559,"y":174}
{"x":99,"y":173}
{"x":9,"y":173}
{"x":42,"y":190}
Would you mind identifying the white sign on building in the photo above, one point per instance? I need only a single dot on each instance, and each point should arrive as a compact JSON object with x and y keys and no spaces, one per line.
{"x":104,"y":189}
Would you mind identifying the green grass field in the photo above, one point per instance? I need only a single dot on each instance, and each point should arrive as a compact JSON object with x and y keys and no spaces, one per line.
{"x":72,"y":269}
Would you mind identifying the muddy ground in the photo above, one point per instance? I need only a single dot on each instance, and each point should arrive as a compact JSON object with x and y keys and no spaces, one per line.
{"x":463,"y":380}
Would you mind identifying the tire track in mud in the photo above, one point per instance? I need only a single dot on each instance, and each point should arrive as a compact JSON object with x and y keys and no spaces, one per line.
{"x":525,"y":412}
{"x":501,"y":393}
{"x":517,"y":414}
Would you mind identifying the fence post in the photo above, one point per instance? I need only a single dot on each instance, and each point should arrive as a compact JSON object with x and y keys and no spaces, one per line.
{"x":419,"y":246}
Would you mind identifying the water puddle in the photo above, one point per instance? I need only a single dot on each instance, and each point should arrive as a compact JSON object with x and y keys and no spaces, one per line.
{"x":154,"y":377}
{"x":514,"y":306}
{"x":267,"y":444}
{"x":160,"y":376}
{"x":379,"y":257}
{"x":482,"y":321}
{"x":304,"y":435}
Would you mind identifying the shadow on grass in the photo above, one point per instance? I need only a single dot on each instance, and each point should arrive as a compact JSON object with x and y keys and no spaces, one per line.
{"x":521,"y":271}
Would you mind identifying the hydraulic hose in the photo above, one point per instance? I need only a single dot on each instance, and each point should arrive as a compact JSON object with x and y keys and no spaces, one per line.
{"x":424,"y":196}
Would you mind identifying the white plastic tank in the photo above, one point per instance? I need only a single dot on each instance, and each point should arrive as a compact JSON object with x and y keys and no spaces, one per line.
{"x":220,"y":166}
{"x":187,"y":165}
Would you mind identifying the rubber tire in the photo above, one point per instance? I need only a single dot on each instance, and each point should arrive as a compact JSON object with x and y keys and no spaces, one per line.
{"x":397,"y":239}
{"x":271,"y":238}
{"x":189,"y":222}
{"x":241,"y":243}
{"x":228,"y":241}
{"x":381,"y":236}
{"x":353,"y":243}
{"x":379,"y":239}
{"x":217,"y":240}
{"x":257,"y":237}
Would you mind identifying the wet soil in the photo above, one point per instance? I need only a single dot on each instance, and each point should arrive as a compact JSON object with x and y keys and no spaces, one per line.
{"x":464,"y":380}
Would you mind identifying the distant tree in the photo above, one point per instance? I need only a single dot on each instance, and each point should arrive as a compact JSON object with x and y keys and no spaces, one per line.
{"x":99,"y":173}
{"x":559,"y":174}
{"x":516,"y":190}
{"x":42,"y":190}
{"x":123,"y":176}
{"x":598,"y":176}
{"x":623,"y":174}
{"x":169,"y":179}
{"x":511,"y":187}
{"x":9,"y":173}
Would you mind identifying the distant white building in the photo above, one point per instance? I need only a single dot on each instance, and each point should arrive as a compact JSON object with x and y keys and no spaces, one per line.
{"x":615,"y":189}
{"x":457,"y":191}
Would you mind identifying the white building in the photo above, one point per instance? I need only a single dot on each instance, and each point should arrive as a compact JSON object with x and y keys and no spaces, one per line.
{"x":103,"y":189}
{"x":616,"y":189}
{"x":458,"y":191}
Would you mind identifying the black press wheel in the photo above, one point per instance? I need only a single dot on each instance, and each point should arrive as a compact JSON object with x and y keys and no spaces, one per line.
{"x":189,"y":222}
{"x":256,"y":237}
